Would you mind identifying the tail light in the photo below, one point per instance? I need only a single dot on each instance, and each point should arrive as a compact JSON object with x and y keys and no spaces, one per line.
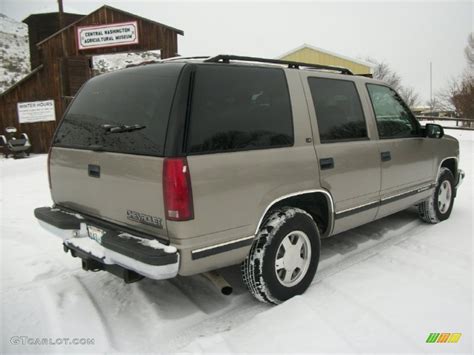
{"x":49,"y":167}
{"x":177,"y":190}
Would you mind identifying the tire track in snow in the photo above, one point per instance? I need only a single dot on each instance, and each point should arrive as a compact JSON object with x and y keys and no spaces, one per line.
{"x":244,"y":308}
{"x":346,"y":261}
{"x":61,"y":298}
{"x":332,"y":325}
{"x":208,"y":311}
{"x":216,"y":314}
{"x":424,"y":265}
{"x":168,"y":310}
{"x":102,"y":320}
{"x":377,"y":316}
{"x":201,"y":293}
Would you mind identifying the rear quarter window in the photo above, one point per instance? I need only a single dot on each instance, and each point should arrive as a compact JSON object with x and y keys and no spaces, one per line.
{"x":338,"y":110}
{"x":239,"y":108}
{"x":139,"y":96}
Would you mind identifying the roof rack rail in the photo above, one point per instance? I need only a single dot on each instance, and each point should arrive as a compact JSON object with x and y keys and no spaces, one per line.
{"x":146,"y":62}
{"x":226,"y":58}
{"x":184,"y":58}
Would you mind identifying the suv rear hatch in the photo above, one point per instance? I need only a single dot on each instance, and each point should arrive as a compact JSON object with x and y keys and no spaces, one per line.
{"x":107,"y":156}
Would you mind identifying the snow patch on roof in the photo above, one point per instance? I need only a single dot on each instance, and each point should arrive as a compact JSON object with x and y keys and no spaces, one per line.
{"x":111,"y":62}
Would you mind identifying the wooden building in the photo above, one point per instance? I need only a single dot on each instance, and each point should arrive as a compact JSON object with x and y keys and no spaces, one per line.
{"x":310,"y":54}
{"x":61,"y":63}
{"x":41,"y":26}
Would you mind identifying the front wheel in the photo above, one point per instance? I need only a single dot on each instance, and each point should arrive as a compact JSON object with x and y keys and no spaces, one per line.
{"x":439,"y":206}
{"x":284,"y":256}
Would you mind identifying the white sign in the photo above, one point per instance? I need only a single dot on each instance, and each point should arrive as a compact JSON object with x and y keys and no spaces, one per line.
{"x":36,"y":111}
{"x":117,"y":34}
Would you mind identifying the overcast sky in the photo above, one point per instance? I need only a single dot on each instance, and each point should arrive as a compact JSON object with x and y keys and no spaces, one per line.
{"x":407,"y":35}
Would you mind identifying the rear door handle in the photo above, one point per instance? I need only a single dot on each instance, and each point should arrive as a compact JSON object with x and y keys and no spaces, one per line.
{"x":94,"y":170}
{"x":326,"y":163}
{"x":385,"y":156}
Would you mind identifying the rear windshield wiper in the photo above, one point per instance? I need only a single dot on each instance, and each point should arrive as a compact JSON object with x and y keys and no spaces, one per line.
{"x":123,"y":128}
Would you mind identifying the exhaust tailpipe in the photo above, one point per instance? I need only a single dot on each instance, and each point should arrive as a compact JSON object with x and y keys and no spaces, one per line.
{"x":219,"y":282}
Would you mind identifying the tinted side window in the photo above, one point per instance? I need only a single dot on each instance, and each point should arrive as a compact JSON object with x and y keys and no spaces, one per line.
{"x":239,"y":108}
{"x":338,"y":110}
{"x":394,"y":119}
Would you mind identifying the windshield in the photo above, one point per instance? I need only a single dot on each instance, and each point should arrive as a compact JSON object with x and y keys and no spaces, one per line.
{"x":134,"y":102}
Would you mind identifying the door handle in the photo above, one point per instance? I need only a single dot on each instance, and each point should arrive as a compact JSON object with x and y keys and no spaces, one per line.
{"x":94,"y":170}
{"x":326,"y":163}
{"x":385,"y":156}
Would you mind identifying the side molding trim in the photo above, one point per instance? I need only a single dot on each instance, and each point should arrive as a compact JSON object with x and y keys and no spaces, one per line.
{"x":241,"y":242}
{"x":383,"y":201}
{"x":221,"y":248}
{"x":357,"y":209}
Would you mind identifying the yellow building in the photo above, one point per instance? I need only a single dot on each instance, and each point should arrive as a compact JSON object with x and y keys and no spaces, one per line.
{"x":310,"y":54}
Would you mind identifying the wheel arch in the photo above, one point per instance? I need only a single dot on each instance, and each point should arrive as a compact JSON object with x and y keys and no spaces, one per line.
{"x":318,"y":203}
{"x":450,"y":163}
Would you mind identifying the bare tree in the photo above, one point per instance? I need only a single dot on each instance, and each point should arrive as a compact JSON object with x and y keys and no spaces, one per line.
{"x":458,"y":94}
{"x":469,"y":50}
{"x":409,"y":95}
{"x":463,"y":98}
{"x":434,"y":104}
{"x":382,"y":71}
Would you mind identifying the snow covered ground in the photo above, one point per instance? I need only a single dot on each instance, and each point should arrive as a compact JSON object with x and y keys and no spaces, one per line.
{"x":382,"y":287}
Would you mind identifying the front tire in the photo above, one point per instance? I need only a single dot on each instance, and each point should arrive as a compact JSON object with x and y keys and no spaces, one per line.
{"x":439,"y":206}
{"x":284,"y":257}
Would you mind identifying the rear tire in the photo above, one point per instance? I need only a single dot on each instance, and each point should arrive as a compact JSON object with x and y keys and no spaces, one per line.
{"x":438,"y":207}
{"x":284,"y":256}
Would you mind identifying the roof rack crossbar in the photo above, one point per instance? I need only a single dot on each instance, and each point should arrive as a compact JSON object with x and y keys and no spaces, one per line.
{"x":226,"y":58}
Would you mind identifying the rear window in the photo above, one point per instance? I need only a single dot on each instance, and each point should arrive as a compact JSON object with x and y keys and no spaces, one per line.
{"x":125,"y":111}
{"x":239,"y":108}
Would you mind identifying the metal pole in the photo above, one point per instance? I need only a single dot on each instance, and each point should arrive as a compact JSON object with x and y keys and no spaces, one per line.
{"x":431,"y":87}
{"x":64,"y":67}
{"x":61,"y":12}
{"x":61,"y":26}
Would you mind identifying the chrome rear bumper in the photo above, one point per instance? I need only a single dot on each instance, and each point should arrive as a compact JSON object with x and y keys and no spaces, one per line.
{"x":110,"y":246}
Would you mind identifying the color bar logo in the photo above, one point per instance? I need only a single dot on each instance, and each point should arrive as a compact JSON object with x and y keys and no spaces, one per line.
{"x":443,"y":337}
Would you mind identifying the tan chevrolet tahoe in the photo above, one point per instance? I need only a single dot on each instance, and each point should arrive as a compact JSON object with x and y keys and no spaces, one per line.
{"x":190,"y":165}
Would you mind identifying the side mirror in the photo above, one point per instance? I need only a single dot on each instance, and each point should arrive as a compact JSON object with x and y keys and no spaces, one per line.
{"x":434,"y":130}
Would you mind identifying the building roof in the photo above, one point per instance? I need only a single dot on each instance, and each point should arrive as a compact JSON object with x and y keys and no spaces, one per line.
{"x":27,"y":19}
{"x":113,"y":9}
{"x":308,"y":46}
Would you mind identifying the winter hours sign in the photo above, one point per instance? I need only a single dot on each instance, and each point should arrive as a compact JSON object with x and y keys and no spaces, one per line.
{"x":36,"y":111}
{"x":117,"y":34}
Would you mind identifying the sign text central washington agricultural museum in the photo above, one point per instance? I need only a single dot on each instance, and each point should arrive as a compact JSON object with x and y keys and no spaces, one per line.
{"x":107,"y":35}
